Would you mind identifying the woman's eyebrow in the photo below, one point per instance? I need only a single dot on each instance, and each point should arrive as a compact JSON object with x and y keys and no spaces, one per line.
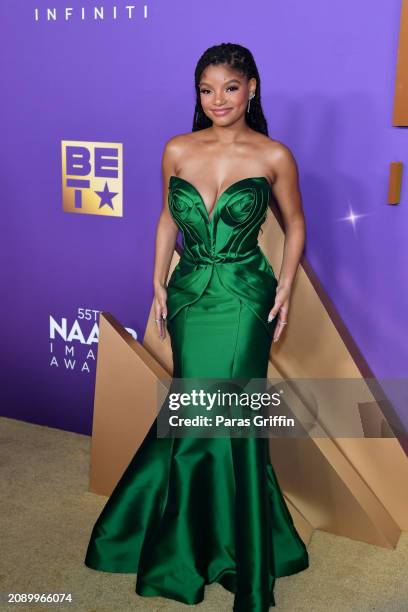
{"x":229,"y":81}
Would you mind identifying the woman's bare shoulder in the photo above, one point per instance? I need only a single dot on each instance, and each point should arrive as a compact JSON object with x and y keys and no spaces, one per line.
{"x":273,"y":147}
{"x":181,"y":146}
{"x":180,"y":141}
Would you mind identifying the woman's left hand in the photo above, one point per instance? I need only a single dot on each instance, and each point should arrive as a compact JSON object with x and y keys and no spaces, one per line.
{"x":280,"y":309}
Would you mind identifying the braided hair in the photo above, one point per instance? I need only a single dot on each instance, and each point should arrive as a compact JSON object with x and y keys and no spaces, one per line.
{"x":238,"y":58}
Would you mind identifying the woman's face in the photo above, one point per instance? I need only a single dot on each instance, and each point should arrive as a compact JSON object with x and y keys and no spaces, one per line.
{"x":224,"y":93}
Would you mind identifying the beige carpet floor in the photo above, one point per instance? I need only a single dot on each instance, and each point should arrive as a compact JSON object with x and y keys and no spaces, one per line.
{"x":46,"y":518}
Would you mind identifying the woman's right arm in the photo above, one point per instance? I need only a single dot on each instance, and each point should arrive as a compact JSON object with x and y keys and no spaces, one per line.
{"x":166,"y":236}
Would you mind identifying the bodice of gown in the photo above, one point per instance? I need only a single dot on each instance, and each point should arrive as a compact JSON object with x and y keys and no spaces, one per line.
{"x":226,"y":243}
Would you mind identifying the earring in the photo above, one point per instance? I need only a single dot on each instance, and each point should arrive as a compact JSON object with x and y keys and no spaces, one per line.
{"x":249,"y":101}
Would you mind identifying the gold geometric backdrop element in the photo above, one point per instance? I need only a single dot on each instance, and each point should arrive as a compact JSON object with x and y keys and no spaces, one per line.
{"x":400,"y":109}
{"x":354,"y":487}
{"x":400,"y":114}
{"x":394,"y":184}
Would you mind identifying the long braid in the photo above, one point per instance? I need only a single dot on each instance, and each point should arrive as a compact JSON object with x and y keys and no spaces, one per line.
{"x":238,"y":58}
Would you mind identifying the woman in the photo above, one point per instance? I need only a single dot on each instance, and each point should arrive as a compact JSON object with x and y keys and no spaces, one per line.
{"x":192,"y":511}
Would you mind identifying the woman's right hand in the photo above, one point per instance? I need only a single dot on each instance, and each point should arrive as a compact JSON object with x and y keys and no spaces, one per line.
{"x":160,"y":309}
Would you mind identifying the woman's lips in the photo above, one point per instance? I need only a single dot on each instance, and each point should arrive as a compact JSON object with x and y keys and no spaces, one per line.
{"x":220,"y":112}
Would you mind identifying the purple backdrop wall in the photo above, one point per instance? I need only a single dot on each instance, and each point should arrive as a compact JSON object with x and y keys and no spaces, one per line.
{"x":328,"y":72}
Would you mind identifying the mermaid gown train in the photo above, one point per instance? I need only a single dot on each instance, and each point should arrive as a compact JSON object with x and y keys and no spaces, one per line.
{"x":193,"y":511}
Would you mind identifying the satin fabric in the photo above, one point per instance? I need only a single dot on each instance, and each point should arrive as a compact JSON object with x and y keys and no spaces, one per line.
{"x":228,"y":242}
{"x":193,"y":511}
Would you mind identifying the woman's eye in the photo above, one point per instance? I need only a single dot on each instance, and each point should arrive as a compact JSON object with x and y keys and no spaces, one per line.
{"x":231,"y":87}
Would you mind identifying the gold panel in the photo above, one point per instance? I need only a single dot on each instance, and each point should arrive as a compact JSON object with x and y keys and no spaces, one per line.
{"x":394,"y":185}
{"x":125,"y":404}
{"x":400,"y":116}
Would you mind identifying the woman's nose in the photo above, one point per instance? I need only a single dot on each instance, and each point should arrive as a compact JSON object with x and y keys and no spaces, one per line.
{"x":219,"y":98}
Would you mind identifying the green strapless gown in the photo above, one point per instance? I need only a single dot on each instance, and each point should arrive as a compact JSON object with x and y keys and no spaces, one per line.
{"x":193,"y":511}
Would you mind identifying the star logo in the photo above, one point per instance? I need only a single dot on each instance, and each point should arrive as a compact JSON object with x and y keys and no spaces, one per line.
{"x":106,"y":196}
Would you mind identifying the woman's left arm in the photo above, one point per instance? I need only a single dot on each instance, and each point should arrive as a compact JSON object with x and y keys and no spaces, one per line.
{"x":287,"y":192}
